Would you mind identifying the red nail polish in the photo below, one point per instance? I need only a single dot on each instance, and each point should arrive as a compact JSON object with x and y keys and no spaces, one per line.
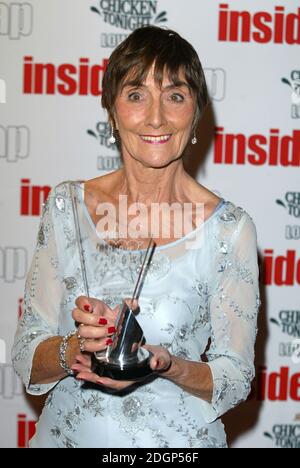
{"x":102,"y":321}
{"x":108,"y":342}
{"x":112,"y":330}
{"x":87,"y":308}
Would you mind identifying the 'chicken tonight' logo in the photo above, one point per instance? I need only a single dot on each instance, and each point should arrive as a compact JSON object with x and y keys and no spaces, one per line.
{"x":129,"y":15}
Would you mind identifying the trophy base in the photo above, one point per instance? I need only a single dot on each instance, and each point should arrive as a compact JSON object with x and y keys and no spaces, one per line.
{"x":136,"y":372}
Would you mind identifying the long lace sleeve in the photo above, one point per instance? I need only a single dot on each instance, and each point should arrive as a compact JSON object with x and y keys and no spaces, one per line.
{"x":233,"y":312}
{"x":42,"y":297}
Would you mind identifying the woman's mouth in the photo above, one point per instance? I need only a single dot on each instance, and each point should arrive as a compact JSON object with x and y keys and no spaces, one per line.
{"x":156,"y":140}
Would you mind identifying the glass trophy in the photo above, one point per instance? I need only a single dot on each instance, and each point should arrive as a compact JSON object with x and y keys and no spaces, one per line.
{"x":125,"y":358}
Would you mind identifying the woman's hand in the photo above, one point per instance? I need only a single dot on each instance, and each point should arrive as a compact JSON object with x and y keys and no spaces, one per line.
{"x":83,"y":367}
{"x":96,"y":323}
{"x":160,"y":362}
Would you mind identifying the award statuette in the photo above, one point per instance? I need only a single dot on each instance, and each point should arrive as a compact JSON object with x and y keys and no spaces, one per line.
{"x":125,"y":358}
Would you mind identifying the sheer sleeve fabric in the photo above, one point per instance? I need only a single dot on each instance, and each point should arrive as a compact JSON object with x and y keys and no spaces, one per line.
{"x":42,"y":298}
{"x":234,"y":306}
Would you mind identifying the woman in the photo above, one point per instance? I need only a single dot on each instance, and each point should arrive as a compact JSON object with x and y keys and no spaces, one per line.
{"x":201,"y":286}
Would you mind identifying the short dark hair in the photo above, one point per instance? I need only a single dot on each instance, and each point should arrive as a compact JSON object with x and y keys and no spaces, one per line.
{"x":135,"y":56}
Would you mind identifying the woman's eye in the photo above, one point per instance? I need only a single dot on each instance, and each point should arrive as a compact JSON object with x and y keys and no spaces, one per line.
{"x":134,"y":96}
{"x":177,"y":97}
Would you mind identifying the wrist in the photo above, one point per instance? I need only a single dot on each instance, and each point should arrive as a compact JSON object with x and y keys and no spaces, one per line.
{"x":173,"y":370}
{"x":73,"y":349}
{"x":67,"y":353}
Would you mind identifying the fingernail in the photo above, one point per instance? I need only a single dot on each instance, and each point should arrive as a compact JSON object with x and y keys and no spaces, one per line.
{"x":112,"y":330}
{"x":102,"y":321}
{"x":76,"y":368}
{"x":87,"y":308}
{"x":108,"y":342}
{"x":99,"y":381}
{"x":80,"y":379}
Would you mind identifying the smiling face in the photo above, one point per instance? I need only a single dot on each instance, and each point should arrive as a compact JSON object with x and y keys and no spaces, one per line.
{"x":154,"y":124}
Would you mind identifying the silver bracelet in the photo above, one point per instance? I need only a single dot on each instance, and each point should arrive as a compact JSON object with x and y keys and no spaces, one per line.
{"x":81,"y":340}
{"x":62,"y":352}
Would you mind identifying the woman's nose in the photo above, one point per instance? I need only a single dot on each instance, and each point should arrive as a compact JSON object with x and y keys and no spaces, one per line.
{"x":156,"y":117}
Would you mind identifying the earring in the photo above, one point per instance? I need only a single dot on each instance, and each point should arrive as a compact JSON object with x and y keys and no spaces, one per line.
{"x":194,"y":140}
{"x":112,"y":139}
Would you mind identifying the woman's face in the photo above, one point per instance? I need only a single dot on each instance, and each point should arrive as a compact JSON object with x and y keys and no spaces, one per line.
{"x":148,"y":111}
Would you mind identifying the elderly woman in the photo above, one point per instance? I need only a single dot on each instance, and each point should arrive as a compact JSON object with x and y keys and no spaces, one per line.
{"x":200,"y":293}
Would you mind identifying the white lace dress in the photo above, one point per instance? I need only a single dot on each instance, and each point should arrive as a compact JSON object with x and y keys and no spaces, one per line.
{"x":189,"y":296}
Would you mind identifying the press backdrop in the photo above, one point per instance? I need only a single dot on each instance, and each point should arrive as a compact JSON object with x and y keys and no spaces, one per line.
{"x":52,"y":128}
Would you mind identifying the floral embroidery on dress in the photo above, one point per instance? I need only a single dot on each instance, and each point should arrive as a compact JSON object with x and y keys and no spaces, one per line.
{"x":202,"y":314}
{"x":70,"y":419}
{"x":232,"y":214}
{"x":43,"y":235}
{"x":131,"y":411}
{"x":49,"y":400}
{"x":241,"y":272}
{"x":112,"y":262}
{"x":25,"y":343}
{"x":60,"y":203}
{"x":223,"y":298}
{"x":70,"y":282}
{"x":94,"y":404}
{"x":197,"y":437}
{"x":63,"y":440}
